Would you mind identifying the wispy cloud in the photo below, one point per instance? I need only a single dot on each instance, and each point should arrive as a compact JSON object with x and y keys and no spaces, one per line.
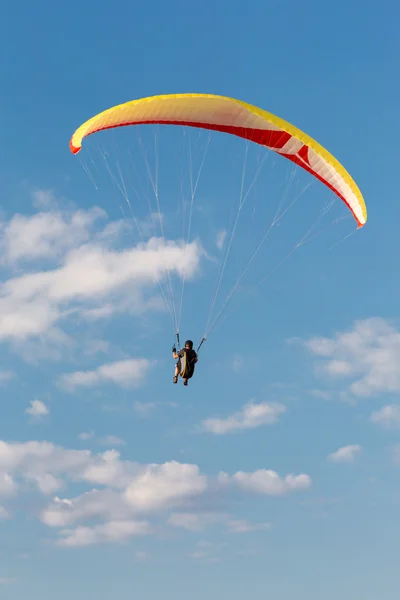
{"x":8,"y":487}
{"x":144,"y":409}
{"x":243,"y":526}
{"x":321,"y":394}
{"x":45,"y":199}
{"x":86,"y":435}
{"x":345,"y":454}
{"x":97,"y":347}
{"x":141,"y":555}
{"x":6,"y":376}
{"x":107,"y":440}
{"x":7,"y":580}
{"x":251,"y":416}
{"x":4,"y":514}
{"x":388,"y":416}
{"x":111,"y":532}
{"x":195,"y":521}
{"x":220,"y":239}
{"x":125,"y":373}
{"x":238,"y":363}
{"x":37,"y":409}
{"x":201,"y":521}
{"x":367,"y":355}
{"x":112,"y":440}
{"x":268,"y":482}
{"x":207,"y":551}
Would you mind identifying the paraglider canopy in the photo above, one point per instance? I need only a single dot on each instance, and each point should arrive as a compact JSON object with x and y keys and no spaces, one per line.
{"x":238,"y":118}
{"x":265,"y":133}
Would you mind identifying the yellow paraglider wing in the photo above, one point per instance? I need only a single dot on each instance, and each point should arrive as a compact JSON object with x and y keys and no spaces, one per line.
{"x":238,"y":118}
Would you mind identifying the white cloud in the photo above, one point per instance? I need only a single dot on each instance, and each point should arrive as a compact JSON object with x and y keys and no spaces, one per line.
{"x":44,"y":199}
{"x":143,"y":408}
{"x":7,"y":580}
{"x":251,"y":416}
{"x":21,"y":319}
{"x":97,"y":346}
{"x":101,"y":312}
{"x":387,"y":416}
{"x":243,"y":526}
{"x":220,"y":239}
{"x":107,"y":469}
{"x":321,"y":394}
{"x":145,"y":487}
{"x":208,"y":551}
{"x":165,"y":485}
{"x":238,"y":364}
{"x":107,"y":504}
{"x":268,"y":482}
{"x":91,"y":279}
{"x":197,"y":554}
{"x":195,"y":521}
{"x":50,"y":346}
{"x":150,"y":225}
{"x":37,"y":409}
{"x":107,"y":440}
{"x":112,"y":440}
{"x":369,"y":354}
{"x":6,"y":376}
{"x":86,"y":435}
{"x":140,"y":555}
{"x":40,"y":463}
{"x":111,"y":532}
{"x":122,"y":492}
{"x":7,"y":483}
{"x":46,"y":234}
{"x":125,"y":373}
{"x":345,"y":454}
{"x":4,"y":514}
{"x":200,"y":521}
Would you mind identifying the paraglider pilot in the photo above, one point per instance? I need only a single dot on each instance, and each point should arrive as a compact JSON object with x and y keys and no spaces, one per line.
{"x":187,"y":358}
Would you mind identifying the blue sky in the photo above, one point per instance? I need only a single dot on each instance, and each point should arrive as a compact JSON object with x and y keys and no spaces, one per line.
{"x":276,"y":471}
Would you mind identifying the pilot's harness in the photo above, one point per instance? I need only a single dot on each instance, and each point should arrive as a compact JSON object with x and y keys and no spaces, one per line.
{"x":183,"y":372}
